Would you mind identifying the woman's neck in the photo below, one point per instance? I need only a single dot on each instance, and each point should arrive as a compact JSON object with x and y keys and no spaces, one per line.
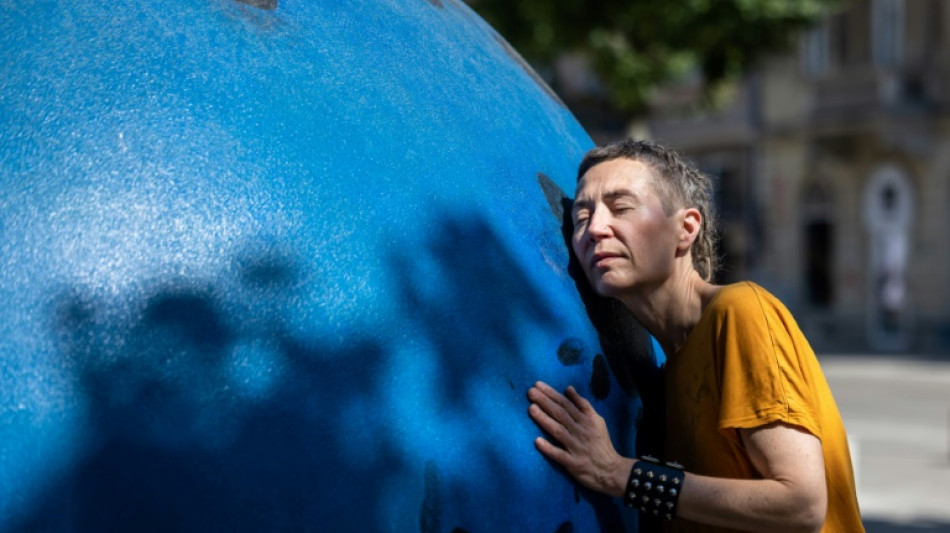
{"x":671,"y":311}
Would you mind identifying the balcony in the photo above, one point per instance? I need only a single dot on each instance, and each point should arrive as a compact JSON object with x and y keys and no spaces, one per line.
{"x":863,"y":94}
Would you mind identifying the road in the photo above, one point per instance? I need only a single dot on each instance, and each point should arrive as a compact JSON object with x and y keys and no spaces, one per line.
{"x":896,"y":411}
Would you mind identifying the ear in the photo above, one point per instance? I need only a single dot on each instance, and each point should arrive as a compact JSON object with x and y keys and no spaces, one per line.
{"x":691,"y":220}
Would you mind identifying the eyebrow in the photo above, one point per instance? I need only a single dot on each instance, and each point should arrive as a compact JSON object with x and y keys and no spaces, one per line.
{"x":620,"y":193}
{"x":612,"y":195}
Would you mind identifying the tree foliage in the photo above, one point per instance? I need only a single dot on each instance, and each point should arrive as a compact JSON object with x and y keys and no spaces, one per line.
{"x":635,"y":45}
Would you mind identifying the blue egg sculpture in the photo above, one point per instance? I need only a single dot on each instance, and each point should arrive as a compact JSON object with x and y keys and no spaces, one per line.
{"x":285,"y":265}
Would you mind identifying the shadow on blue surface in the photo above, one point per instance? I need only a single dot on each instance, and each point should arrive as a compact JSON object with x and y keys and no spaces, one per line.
{"x":171,"y":449}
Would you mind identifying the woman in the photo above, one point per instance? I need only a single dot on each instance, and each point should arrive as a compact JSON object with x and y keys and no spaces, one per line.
{"x":749,"y":415}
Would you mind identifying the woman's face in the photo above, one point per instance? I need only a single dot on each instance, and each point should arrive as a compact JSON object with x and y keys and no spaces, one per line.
{"x":623,"y":238}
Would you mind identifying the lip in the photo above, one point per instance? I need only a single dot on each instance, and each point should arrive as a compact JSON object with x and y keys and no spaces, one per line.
{"x":600,"y":258}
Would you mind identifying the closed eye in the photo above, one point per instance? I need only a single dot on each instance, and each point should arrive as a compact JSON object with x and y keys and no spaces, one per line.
{"x":580,"y":216}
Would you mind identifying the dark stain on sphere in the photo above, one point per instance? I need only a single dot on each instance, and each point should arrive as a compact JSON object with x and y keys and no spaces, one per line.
{"x":570,"y":352}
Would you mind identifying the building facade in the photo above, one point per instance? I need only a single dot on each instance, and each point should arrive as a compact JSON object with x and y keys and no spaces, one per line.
{"x":833,"y":166}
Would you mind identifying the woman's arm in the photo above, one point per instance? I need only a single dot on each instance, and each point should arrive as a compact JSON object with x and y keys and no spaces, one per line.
{"x":792,"y":495}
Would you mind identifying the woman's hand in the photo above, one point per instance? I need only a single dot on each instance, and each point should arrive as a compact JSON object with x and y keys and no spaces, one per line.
{"x":585,"y":450}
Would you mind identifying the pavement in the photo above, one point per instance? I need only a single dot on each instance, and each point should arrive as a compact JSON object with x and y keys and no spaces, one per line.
{"x":896,"y":410}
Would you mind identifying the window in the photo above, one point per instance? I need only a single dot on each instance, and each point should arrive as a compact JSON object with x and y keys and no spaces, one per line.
{"x":814,"y":50}
{"x":887,"y":31}
{"x":819,"y":244}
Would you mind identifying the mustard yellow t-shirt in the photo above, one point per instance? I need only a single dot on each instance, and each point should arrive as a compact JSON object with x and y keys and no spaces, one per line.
{"x":744,"y":365}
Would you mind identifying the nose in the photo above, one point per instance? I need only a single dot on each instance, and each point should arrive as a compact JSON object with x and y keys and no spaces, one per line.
{"x":598,"y":226}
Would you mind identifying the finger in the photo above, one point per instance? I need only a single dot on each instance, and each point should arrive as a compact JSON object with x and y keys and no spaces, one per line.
{"x":552,"y":452}
{"x":554,"y":404}
{"x":541,"y":390}
{"x":569,"y":408}
{"x":579,"y":401}
{"x":549,"y":425}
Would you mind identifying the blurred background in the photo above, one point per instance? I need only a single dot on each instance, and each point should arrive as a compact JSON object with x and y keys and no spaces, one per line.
{"x":826,"y":124}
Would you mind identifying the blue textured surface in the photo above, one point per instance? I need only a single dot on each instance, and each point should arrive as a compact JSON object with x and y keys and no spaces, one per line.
{"x":282,"y":270}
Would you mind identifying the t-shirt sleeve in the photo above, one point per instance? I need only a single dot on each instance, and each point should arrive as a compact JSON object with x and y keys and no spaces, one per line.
{"x":760,"y":375}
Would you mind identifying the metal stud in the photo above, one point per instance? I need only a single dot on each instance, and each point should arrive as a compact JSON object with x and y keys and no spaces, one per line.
{"x":673,"y":492}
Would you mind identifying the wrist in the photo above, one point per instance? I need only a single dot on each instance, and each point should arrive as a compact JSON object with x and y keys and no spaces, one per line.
{"x":654,"y":488}
{"x":614,"y":482}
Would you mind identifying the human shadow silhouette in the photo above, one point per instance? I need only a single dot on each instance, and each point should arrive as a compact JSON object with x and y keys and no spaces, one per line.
{"x":208,"y":409}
